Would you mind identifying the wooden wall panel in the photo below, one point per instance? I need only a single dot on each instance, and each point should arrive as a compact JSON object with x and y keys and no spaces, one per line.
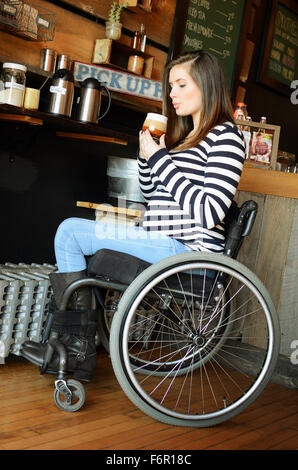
{"x":270,"y":251}
{"x":158,"y":22}
{"x":75,"y":36}
{"x":288,"y":303}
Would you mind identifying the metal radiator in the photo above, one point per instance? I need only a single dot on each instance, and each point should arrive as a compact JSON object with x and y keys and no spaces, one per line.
{"x":25,"y":293}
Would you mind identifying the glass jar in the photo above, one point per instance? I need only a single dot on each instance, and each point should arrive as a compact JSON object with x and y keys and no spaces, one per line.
{"x":113,"y":30}
{"x":14,"y":80}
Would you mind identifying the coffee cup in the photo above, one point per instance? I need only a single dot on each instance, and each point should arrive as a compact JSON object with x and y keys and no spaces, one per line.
{"x":156,"y":125}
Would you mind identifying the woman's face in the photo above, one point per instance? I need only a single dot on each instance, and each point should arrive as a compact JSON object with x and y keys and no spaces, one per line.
{"x":185,"y":94}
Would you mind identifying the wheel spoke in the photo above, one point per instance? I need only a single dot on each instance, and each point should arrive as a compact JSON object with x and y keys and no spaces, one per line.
{"x":190,"y":349}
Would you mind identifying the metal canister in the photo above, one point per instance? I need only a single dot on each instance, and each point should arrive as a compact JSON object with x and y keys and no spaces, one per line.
{"x":47,"y":60}
{"x":63,"y":62}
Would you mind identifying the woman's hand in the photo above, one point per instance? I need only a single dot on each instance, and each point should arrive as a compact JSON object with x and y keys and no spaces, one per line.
{"x":148,"y":146}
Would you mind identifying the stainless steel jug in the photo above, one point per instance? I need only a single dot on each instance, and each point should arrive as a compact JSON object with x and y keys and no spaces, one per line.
{"x":61,"y":93}
{"x":89,"y":101}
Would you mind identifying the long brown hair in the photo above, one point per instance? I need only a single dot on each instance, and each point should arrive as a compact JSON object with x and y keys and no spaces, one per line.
{"x":207,"y":72}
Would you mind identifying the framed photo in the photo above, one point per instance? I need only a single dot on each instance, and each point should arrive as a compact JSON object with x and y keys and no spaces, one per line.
{"x":261,"y":143}
{"x":279,"y":66}
{"x":261,"y":147}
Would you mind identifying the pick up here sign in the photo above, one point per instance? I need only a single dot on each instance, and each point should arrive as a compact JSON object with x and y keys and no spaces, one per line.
{"x":119,"y":81}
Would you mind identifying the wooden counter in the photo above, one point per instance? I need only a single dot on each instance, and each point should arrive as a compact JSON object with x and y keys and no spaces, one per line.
{"x":275,"y":183}
{"x":271,"y":250}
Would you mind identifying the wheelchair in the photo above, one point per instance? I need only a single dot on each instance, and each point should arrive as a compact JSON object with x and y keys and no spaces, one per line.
{"x":193,"y":339}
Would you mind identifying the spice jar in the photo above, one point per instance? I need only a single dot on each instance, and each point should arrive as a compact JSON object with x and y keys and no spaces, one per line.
{"x":47,"y":60}
{"x":14,"y":80}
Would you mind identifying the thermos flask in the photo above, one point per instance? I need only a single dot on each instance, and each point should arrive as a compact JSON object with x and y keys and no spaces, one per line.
{"x":61,"y":93}
{"x":89,"y":101}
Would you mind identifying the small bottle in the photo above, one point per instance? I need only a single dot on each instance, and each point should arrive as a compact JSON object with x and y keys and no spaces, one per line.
{"x":143,"y":38}
{"x":240,"y":111}
{"x":247,"y":138}
{"x":240,"y":118}
{"x":263,"y":120}
{"x":247,"y":127}
{"x":136,"y":41}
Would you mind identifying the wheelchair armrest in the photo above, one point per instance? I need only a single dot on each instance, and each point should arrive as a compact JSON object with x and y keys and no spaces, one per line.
{"x":250,"y":209}
{"x":239,"y":227}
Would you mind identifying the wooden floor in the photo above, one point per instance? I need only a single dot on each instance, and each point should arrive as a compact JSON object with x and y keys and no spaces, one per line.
{"x":29,"y":418}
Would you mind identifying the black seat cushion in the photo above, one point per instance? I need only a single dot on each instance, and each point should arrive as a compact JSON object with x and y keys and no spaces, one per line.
{"x":122,"y":268}
{"x":115,"y":266}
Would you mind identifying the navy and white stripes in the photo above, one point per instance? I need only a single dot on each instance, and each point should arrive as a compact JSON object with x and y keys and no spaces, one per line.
{"x":190,"y":191}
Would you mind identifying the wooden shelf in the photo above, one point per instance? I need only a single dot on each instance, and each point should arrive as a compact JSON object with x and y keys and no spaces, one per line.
{"x":64,"y":127}
{"x":35,"y":77}
{"x":96,"y":138}
{"x":70,"y":128}
{"x":21,"y":118}
{"x":116,"y":54}
{"x":33,"y":74}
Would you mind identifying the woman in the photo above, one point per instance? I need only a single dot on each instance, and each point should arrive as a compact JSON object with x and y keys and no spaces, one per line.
{"x":197,"y":181}
{"x":189,"y":180}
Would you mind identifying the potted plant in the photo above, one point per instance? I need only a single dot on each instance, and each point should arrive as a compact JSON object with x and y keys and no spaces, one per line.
{"x":113,"y":24}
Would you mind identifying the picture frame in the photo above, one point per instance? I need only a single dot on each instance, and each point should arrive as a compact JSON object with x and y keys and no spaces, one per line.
{"x":261,"y":151}
{"x":279,"y":61}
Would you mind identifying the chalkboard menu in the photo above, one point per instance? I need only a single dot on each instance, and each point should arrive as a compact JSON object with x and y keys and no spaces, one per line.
{"x":212,"y":25}
{"x":280,"y":63}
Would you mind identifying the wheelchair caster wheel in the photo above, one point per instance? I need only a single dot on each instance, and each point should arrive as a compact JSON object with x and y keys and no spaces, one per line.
{"x":69,"y":395}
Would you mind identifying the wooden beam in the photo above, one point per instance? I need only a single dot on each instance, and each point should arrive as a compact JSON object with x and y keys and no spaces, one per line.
{"x":97,"y":138}
{"x":21,"y":118}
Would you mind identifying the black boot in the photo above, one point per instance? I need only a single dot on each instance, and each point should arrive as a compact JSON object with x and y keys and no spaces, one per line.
{"x":76,"y":331}
{"x":80,"y":300}
{"x":74,"y":328}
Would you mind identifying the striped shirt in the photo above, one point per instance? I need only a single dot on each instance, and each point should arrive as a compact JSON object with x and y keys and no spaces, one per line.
{"x":190,"y":191}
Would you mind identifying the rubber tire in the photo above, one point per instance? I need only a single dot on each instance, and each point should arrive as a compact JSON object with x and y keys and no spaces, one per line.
{"x":80,"y":393}
{"x":118,"y":324}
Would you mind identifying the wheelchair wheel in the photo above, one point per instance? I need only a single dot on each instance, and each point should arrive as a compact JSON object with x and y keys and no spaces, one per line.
{"x":195,"y":339}
{"x":71,"y":398}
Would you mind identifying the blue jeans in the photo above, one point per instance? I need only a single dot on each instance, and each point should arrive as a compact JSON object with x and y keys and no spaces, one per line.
{"x":77,"y":238}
